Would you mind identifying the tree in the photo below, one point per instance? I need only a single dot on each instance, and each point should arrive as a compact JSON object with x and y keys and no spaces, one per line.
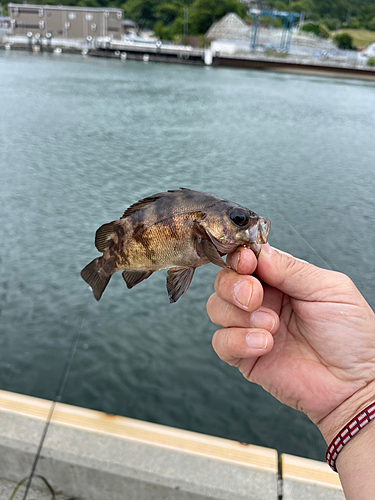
{"x":141,"y":11}
{"x":337,"y":8}
{"x":324,"y":31}
{"x":302,"y":5}
{"x":344,"y":41}
{"x":88,"y":3}
{"x":311,"y":28}
{"x":371,"y":24}
{"x":167,"y":12}
{"x":280,"y":5}
{"x":355,"y":24}
{"x":313,"y":16}
{"x":333,"y":23}
{"x":167,"y":16}
{"x":205,"y":12}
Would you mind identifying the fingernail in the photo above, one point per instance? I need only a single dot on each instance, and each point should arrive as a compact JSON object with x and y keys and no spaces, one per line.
{"x":260,"y":319}
{"x":267,"y":248}
{"x":243,"y":292}
{"x":236,"y":260}
{"x":257,"y":340}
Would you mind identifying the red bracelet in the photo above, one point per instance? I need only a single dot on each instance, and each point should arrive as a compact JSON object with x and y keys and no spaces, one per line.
{"x":345,"y":435}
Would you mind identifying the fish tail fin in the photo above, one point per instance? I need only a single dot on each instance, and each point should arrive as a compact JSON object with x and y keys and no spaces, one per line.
{"x":96,"y":279}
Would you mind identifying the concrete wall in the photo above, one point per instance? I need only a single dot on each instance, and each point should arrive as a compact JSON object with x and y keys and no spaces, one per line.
{"x":94,"y":456}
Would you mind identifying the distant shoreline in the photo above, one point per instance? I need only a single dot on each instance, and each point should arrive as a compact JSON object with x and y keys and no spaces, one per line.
{"x":301,"y":66}
{"x":327,"y":69}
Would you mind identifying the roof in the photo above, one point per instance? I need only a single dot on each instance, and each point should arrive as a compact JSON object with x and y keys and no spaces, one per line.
{"x":370,"y":50}
{"x":61,"y":7}
{"x":230,"y":27}
{"x":129,"y":22}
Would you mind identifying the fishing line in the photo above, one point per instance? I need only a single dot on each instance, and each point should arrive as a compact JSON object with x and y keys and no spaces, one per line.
{"x":58,"y":393}
{"x":317,"y":252}
{"x":75,"y":340}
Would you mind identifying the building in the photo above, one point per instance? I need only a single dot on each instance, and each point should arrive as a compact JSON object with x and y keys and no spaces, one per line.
{"x":230,"y":27}
{"x":230,"y":35}
{"x":5,"y":26}
{"x":369,"y":51}
{"x":65,"y":22}
{"x":129,"y":27}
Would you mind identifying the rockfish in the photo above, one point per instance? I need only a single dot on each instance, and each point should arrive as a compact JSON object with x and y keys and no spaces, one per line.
{"x":177,"y":230}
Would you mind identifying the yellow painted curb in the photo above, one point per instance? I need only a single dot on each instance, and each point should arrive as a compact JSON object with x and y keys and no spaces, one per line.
{"x":225,"y":450}
{"x":309,"y":471}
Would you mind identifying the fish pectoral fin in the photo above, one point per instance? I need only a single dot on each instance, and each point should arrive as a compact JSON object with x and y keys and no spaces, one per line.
{"x":132,"y":278}
{"x":178,"y":281}
{"x":104,"y":235}
{"x":208,"y":249}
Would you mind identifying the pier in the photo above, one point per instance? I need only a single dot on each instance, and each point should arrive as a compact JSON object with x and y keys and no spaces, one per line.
{"x":92,"y":455}
{"x":81,"y":132}
{"x":179,"y":54}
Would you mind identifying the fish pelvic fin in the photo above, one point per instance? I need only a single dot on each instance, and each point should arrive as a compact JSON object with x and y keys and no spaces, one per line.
{"x":95,"y":278}
{"x":132,"y":278}
{"x":178,"y":281}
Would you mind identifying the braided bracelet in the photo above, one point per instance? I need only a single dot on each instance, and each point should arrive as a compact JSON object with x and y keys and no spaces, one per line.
{"x":345,"y":435}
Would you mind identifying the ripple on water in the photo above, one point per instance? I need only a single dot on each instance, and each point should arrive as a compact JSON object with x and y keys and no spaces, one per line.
{"x":84,"y":139}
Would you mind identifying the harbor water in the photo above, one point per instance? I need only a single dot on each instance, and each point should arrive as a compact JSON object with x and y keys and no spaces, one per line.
{"x":83,"y":138}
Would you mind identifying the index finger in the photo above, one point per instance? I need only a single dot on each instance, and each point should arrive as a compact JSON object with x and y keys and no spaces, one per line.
{"x":243,"y":261}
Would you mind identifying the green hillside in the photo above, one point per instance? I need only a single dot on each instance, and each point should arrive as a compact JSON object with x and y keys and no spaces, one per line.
{"x":168,"y":17}
{"x":361,"y":38}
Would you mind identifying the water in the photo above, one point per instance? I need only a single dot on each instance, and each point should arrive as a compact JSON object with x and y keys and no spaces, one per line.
{"x":83,"y":138}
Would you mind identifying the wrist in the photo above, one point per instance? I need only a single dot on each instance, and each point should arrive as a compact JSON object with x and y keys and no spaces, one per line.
{"x":340,"y":416}
{"x":357,"y":447}
{"x":355,"y":464}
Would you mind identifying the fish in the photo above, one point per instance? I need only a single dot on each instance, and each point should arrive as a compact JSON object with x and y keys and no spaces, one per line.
{"x":178,"y":230}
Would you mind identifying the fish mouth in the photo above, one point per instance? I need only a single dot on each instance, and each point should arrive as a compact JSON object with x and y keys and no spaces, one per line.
{"x":259,"y":231}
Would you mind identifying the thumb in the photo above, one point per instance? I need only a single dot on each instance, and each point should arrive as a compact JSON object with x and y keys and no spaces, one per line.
{"x":294,"y":277}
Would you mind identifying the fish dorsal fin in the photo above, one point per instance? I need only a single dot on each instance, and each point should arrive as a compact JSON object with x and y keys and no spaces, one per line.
{"x":140,"y":204}
{"x":178,"y":281}
{"x":104,"y":235}
{"x":150,"y":199}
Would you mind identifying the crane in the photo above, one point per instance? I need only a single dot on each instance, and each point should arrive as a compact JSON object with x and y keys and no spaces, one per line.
{"x":288,"y":17}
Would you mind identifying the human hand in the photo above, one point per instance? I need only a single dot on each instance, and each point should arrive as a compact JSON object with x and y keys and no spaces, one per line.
{"x":313,"y":346}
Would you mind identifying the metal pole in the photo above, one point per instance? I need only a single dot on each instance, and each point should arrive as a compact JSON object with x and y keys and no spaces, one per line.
{"x":289,"y":35}
{"x":254,"y":30}
{"x":302,"y":18}
{"x":30,"y":37}
{"x":283,"y":34}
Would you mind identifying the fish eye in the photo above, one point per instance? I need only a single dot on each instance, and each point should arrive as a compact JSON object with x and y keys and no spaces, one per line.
{"x":240,"y":217}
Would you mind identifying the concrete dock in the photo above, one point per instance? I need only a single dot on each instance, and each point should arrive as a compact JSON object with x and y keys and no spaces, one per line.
{"x":168,"y":53}
{"x":90,"y":455}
